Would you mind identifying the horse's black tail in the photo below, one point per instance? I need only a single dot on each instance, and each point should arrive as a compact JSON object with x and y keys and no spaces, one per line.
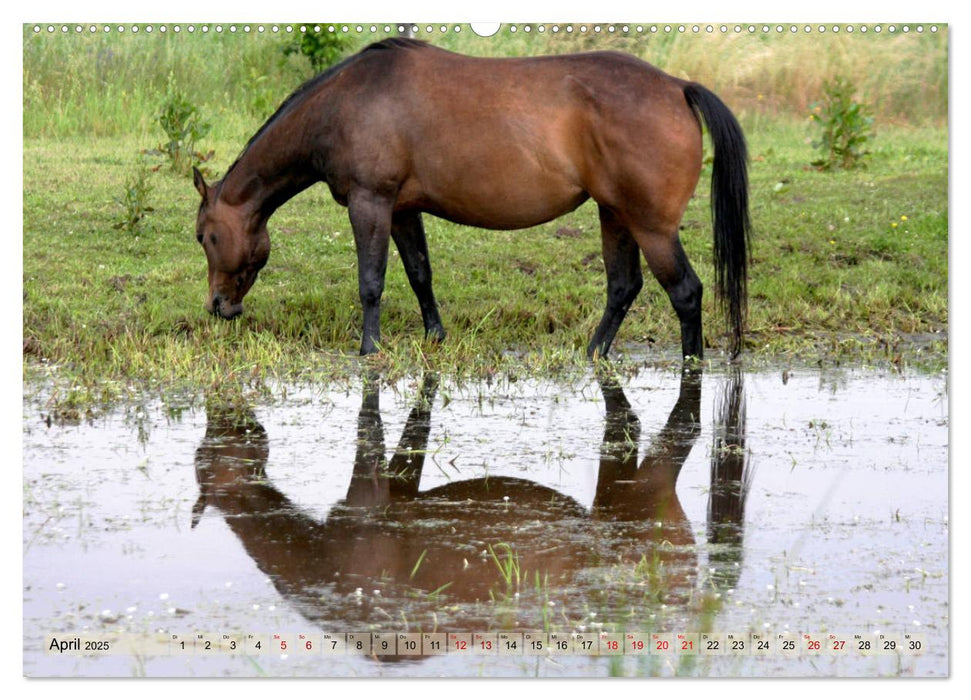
{"x":729,"y":205}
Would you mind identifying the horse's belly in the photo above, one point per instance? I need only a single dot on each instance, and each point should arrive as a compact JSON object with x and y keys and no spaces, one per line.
{"x":508,"y":198}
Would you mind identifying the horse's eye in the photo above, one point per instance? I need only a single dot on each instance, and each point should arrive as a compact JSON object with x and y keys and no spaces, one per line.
{"x":199,"y":237}
{"x":212,"y":238}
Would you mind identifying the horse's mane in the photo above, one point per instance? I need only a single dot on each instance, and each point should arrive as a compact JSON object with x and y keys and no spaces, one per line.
{"x":307,"y":87}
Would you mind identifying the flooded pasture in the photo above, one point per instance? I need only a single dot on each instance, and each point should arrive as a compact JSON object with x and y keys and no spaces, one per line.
{"x":775,"y":503}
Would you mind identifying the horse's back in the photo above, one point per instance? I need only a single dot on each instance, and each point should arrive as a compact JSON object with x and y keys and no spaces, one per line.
{"x":512,"y":142}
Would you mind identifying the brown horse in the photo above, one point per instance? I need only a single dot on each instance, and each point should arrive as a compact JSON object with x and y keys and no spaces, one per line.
{"x":403,"y":128}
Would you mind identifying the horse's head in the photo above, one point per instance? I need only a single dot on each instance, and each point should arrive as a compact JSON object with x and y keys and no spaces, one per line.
{"x":237,"y":247}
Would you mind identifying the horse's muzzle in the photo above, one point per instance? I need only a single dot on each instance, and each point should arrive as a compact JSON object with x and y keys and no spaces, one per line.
{"x":218,"y":306}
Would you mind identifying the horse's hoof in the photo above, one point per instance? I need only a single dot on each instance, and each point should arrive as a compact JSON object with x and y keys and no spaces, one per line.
{"x":435,"y":335}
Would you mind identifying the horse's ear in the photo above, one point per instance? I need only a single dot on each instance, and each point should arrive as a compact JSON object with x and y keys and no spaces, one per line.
{"x":200,"y":182}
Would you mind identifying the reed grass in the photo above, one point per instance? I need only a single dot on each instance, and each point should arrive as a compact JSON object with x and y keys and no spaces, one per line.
{"x":111,"y":83}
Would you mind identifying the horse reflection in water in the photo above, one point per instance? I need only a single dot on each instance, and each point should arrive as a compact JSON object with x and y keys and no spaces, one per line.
{"x":454,"y":540}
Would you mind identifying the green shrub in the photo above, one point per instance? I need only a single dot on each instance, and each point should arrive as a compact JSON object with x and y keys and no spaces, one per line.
{"x":184,"y":127}
{"x":321,"y":47}
{"x":846,"y":127}
{"x":135,"y":201}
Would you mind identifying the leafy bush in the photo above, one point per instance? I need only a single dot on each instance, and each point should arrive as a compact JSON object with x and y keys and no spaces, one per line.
{"x":135,"y":201}
{"x":846,"y":127}
{"x":323,"y":48}
{"x":184,"y":127}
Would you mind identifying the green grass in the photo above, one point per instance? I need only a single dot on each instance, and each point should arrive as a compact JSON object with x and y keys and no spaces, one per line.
{"x":838,"y":273}
{"x":109,"y":83}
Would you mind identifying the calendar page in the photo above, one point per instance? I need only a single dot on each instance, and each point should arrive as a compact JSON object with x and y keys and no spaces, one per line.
{"x":669,"y":410}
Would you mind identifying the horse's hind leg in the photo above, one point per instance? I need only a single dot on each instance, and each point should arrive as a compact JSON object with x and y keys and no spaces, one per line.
{"x":622,"y":264}
{"x":409,"y":236}
{"x":670,"y":265}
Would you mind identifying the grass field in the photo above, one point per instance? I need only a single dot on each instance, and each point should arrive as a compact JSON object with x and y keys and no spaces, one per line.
{"x":847,"y":265}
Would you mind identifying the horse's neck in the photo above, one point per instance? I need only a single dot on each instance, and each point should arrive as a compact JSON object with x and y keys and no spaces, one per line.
{"x":265,"y":178}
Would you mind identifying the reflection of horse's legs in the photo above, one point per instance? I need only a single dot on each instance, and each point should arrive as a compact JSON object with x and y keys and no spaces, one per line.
{"x":627,"y":490}
{"x":409,"y":236}
{"x":670,"y":265}
{"x":624,"y":280}
{"x":683,"y":426}
{"x":729,"y":464}
{"x":369,"y":480}
{"x":375,"y":480}
{"x":618,"y":451}
{"x":409,"y":459}
{"x":370,"y":216}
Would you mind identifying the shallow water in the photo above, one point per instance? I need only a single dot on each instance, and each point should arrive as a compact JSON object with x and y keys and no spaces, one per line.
{"x":771,"y":503}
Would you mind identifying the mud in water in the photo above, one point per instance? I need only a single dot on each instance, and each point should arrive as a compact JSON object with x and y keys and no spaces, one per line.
{"x":784,"y":501}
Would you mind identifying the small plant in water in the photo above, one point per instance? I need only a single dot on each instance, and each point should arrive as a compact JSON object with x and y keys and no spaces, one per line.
{"x":846,"y":127}
{"x":507,"y":564}
{"x":184,"y":127}
{"x":135,"y":201}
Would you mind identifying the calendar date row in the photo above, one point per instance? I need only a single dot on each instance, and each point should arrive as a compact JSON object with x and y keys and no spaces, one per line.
{"x":494,"y":644}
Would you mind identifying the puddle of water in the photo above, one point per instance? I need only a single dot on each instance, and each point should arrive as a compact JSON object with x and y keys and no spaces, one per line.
{"x":767,"y":503}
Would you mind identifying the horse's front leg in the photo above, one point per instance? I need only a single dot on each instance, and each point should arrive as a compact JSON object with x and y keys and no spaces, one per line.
{"x":370,"y":215}
{"x":408,"y":234}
